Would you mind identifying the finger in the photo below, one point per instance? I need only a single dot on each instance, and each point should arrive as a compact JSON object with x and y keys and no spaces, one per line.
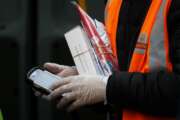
{"x":38,"y":94}
{"x":75,"y":105}
{"x":59,"y":91}
{"x":66,"y":99}
{"x":46,"y":97}
{"x":54,"y":68}
{"x":68,"y":72}
{"x":60,"y":83}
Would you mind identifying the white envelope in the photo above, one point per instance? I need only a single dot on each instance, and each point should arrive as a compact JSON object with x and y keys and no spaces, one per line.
{"x":82,"y":52}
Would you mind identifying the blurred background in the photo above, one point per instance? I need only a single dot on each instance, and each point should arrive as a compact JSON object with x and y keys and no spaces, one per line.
{"x":31,"y":33}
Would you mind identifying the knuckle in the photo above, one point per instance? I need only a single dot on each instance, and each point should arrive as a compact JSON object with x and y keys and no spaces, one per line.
{"x":63,"y":88}
{"x":67,"y":80}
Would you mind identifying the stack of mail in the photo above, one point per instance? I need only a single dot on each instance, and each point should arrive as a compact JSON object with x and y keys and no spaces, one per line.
{"x":90,"y":46}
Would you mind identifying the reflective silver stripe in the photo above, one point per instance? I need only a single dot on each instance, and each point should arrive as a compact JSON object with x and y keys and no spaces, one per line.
{"x":140,"y":51}
{"x":143,"y":38}
{"x":157,"y":41}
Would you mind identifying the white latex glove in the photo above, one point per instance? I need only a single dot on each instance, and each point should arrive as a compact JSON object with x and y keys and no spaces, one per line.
{"x":59,"y":70}
{"x":79,"y":91}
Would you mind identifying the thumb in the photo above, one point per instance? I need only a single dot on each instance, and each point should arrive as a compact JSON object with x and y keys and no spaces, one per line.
{"x":54,"y":68}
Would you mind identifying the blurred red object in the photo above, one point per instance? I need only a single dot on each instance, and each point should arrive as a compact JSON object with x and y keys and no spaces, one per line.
{"x":99,"y":39}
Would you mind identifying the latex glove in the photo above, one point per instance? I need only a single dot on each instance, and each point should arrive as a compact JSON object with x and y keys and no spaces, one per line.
{"x":60,"y":70}
{"x":79,"y":91}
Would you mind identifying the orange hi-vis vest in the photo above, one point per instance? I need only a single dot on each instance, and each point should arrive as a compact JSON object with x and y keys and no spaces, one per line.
{"x":152,"y":48}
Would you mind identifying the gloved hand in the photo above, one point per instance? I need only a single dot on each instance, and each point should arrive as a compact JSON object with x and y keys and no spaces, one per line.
{"x":79,"y":91}
{"x":59,"y":70}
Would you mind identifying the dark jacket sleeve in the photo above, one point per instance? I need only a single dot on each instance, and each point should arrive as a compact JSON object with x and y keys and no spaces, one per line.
{"x":154,"y":93}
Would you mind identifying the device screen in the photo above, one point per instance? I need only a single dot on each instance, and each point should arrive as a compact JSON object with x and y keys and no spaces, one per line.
{"x":43,"y":79}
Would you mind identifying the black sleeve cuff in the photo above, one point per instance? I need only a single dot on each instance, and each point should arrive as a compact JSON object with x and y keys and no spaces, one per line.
{"x":122,"y":90}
